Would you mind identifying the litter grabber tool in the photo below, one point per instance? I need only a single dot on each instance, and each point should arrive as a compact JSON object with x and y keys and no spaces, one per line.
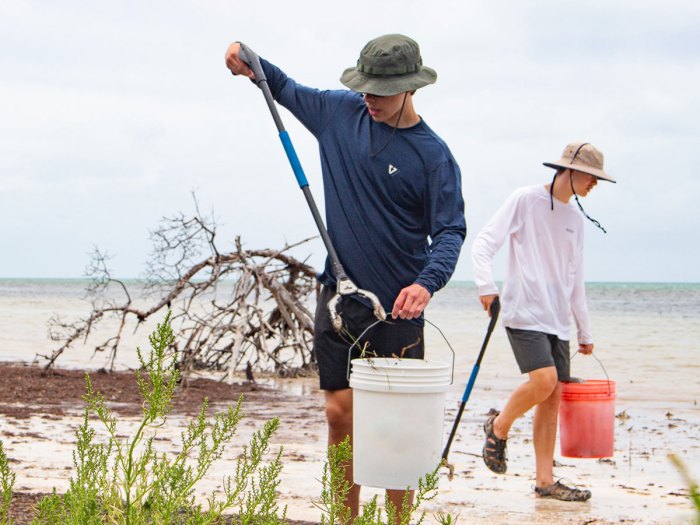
{"x":495,"y":309}
{"x":345,"y":286}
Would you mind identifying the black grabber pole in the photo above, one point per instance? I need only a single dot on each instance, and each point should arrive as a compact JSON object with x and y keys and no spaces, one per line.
{"x":495,"y":310}
{"x":345,"y":285}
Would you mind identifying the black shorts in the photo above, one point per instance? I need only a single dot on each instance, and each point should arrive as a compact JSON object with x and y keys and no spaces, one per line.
{"x":534,"y":350}
{"x":392,"y":337}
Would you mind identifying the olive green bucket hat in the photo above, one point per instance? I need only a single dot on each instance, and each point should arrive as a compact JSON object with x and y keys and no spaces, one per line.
{"x":389,"y":65}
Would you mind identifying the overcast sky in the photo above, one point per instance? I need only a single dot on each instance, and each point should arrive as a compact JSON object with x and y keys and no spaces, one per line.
{"x":112,"y":113}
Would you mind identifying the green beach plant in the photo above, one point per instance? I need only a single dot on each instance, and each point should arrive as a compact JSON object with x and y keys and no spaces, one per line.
{"x":121,"y":478}
{"x":335,"y":488}
{"x":125,"y":480}
{"x":692,"y":484}
{"x":7,"y":481}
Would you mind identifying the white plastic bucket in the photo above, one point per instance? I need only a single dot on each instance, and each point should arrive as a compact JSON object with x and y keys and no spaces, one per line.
{"x":398,"y":416}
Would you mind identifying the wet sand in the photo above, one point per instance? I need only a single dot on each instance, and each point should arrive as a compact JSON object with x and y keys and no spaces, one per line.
{"x":649,"y":348}
{"x":38,"y":417}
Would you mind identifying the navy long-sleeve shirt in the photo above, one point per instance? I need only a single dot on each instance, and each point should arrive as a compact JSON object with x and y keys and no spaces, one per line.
{"x":394,"y":219}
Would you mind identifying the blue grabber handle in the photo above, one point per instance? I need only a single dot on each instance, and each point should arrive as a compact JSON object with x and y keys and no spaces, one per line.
{"x":345,"y":286}
{"x":495,"y":309}
{"x":293,"y":159}
{"x":470,"y":383}
{"x":249,"y":56}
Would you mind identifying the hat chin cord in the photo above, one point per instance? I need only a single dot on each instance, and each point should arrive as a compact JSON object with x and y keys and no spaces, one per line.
{"x":391,"y":137}
{"x":571,"y":181}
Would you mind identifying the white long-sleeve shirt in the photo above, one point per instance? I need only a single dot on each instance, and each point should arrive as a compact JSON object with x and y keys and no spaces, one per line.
{"x":544,"y":280}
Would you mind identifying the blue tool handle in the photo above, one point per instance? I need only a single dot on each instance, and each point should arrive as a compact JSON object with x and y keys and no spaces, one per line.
{"x":293,"y":159}
{"x":470,"y":384}
{"x":495,"y":310}
{"x":249,"y":56}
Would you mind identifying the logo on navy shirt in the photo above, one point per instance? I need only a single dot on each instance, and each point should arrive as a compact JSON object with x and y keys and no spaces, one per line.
{"x":392,"y":169}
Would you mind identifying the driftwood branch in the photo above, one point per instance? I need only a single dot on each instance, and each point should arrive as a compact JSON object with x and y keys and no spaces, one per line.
{"x":246,"y":309}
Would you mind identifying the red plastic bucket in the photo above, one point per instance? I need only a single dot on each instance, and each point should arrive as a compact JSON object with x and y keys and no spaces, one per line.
{"x":587,"y":419}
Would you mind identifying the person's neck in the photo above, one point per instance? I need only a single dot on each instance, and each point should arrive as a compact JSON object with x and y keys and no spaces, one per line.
{"x":408,"y":121}
{"x":409,"y":117}
{"x":562,"y":188}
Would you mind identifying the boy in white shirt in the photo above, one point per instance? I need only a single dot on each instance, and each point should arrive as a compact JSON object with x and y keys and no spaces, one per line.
{"x":543,"y":286}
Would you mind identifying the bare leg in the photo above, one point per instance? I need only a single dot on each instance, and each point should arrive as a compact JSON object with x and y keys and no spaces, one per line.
{"x":545,"y":436}
{"x":339,"y":417}
{"x":396,"y":497}
{"x":543,"y":382}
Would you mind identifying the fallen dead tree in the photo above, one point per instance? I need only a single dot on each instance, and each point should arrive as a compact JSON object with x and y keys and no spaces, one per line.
{"x":246,"y":309}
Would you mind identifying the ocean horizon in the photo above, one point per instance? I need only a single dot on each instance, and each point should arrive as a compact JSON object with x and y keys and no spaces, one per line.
{"x":615,"y":297}
{"x":453,"y":282}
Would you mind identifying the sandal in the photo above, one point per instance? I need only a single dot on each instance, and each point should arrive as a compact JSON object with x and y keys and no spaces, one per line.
{"x":494,"y":451}
{"x":563,"y":493}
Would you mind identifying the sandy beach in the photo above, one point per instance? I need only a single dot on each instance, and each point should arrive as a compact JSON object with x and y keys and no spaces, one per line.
{"x":39,"y":415}
{"x":648,"y":347}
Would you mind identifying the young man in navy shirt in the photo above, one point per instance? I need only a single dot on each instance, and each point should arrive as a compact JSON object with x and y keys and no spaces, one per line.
{"x":394,"y":209}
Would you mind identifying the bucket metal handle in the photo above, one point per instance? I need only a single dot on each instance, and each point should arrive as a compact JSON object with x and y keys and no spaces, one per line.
{"x":375,"y":323}
{"x":454,"y":356}
{"x":607,"y":377}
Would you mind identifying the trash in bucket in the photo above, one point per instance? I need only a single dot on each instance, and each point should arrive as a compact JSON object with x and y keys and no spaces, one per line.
{"x":398,"y":416}
{"x":587,"y":419}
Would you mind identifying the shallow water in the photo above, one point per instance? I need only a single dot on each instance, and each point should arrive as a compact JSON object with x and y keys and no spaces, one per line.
{"x":647,"y":335}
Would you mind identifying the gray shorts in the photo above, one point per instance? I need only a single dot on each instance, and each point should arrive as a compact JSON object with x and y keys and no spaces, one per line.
{"x":534,"y":350}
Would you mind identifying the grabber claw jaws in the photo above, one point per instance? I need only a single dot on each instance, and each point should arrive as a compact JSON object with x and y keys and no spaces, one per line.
{"x":347,"y":287}
{"x":450,"y":467}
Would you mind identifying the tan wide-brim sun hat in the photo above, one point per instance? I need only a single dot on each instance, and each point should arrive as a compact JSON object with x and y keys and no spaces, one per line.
{"x":582,"y":156}
{"x":389,"y":65}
